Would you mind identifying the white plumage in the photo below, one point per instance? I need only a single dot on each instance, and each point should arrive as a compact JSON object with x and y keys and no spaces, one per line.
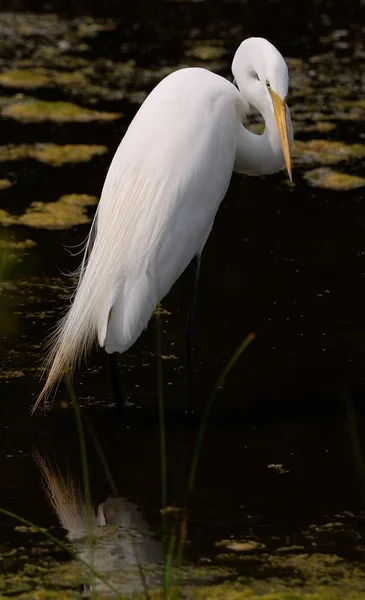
{"x":161,"y":194}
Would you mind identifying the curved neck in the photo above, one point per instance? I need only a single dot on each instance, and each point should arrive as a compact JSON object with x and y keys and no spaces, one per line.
{"x":259,"y":154}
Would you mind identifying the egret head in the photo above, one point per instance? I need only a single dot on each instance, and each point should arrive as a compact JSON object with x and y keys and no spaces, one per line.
{"x":262,"y":77}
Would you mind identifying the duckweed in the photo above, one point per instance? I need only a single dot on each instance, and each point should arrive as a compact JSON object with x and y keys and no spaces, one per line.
{"x":66,"y":212}
{"x":206,"y":52}
{"x":327,"y":178}
{"x":12,"y":245}
{"x":320,"y":127}
{"x":6,"y":218}
{"x":51,"y":154}
{"x":23,"y":78}
{"x":326,"y":152}
{"x":70,"y":78}
{"x":235,"y":592}
{"x":5,"y":184}
{"x":30,"y":110}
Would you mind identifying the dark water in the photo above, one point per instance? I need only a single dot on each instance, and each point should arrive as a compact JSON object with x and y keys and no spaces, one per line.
{"x":285,"y":262}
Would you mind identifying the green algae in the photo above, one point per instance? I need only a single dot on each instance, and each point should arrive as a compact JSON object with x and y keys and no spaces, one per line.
{"x":257,"y":128}
{"x":320,"y":127}
{"x":295,"y":63}
{"x":10,"y":374}
{"x":309,"y":113}
{"x":349,"y":110}
{"x":6,"y":218}
{"x":45,"y":595}
{"x":44,"y":580}
{"x":326,"y":152}
{"x":22,"y":78}
{"x":71,"y":78}
{"x":50,"y":56}
{"x":51,"y":154}
{"x":5,"y":184}
{"x":206,"y":52}
{"x":12,"y":253}
{"x":231,"y":591}
{"x":30,"y":110}
{"x":68,"y":211}
{"x":330,"y":179}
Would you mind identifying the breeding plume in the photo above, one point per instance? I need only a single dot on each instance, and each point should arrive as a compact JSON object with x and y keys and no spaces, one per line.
{"x":162,"y":191}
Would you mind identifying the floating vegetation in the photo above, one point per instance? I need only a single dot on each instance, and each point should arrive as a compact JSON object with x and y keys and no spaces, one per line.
{"x":5,"y":184}
{"x":320,"y":127}
{"x":234,"y":591}
{"x":6,"y":218}
{"x":22,"y":78}
{"x":257,"y":128}
{"x":204,"y":51}
{"x":10,"y":374}
{"x":73,"y":78}
{"x":66,"y":212}
{"x":308,"y":113}
{"x":30,"y":110}
{"x":241,"y":545}
{"x":349,"y":110}
{"x":327,"y":178}
{"x":51,"y":154}
{"x":326,"y":152}
{"x":12,"y":245}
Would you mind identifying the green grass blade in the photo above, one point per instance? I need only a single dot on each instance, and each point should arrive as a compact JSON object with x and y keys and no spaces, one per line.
{"x":85,"y":469}
{"x":102,"y":458}
{"x":218,"y":386}
{"x":179,"y":558}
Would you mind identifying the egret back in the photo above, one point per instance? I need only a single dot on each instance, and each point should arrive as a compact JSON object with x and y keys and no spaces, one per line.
{"x":157,"y":207}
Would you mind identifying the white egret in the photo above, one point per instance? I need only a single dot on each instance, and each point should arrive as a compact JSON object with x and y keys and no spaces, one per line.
{"x":164,"y":186}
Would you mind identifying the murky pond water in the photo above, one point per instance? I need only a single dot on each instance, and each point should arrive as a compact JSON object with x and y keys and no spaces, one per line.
{"x":280,"y":489}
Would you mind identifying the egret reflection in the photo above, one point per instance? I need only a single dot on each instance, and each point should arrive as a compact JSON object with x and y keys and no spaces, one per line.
{"x":123,"y":548}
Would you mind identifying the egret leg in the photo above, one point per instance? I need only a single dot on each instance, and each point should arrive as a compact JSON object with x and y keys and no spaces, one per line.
{"x":116,"y":385}
{"x":190,"y":335}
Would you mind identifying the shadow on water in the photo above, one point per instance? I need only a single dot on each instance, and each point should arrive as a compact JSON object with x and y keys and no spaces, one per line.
{"x":281,"y":469}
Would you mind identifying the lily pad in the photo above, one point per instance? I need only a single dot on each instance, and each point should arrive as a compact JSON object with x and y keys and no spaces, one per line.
{"x":327,"y":178}
{"x":326,"y":152}
{"x":51,"y":154}
{"x":30,"y":110}
{"x":22,"y":78}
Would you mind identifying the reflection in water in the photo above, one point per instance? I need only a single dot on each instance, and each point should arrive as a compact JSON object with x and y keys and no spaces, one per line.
{"x":122,"y":550}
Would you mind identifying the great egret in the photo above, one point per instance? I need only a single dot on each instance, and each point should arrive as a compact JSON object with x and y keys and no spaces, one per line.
{"x":161,"y":194}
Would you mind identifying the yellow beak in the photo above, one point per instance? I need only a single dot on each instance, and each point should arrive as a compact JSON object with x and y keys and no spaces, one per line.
{"x":280,"y":118}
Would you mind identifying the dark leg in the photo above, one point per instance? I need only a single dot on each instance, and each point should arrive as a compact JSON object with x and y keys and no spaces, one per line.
{"x":116,"y":387}
{"x":190,"y":334}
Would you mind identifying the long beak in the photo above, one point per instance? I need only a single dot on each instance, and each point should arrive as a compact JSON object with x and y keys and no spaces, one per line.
{"x":280,"y":118}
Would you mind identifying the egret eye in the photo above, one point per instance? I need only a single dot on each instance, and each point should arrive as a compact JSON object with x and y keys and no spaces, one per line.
{"x":268,"y":84}
{"x":255,"y":75}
